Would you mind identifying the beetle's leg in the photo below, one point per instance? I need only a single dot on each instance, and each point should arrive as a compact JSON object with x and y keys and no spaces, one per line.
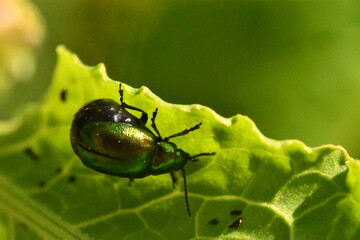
{"x":173,"y":178}
{"x":153,"y":125}
{"x":131,"y":180}
{"x":186,"y":193}
{"x":144,"y":116}
{"x":184,"y":132}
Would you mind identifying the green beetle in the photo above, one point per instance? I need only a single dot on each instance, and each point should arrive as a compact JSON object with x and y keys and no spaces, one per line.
{"x":109,"y":139}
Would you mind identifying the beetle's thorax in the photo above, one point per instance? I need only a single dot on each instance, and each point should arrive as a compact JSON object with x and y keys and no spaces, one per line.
{"x":168,"y":158}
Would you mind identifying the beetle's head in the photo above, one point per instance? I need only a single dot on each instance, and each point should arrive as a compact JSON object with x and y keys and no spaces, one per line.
{"x":170,"y":158}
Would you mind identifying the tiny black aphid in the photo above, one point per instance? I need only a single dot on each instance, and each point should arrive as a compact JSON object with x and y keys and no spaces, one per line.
{"x":71,"y":179}
{"x":63,"y":95}
{"x":213,"y":221}
{"x":32,"y":155}
{"x":42,"y":183}
{"x":58,"y":170}
{"x":236,"y":212}
{"x":109,"y":139}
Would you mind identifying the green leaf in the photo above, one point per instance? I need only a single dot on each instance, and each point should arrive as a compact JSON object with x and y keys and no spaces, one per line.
{"x":285,"y":189}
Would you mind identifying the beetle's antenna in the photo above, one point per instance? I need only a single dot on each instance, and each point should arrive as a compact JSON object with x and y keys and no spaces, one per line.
{"x":193,"y":158}
{"x":184,"y":132}
{"x":186,"y":193}
{"x":153,"y":125}
{"x":121,"y":92}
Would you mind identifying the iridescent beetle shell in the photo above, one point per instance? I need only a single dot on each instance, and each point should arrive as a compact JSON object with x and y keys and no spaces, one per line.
{"x":109,"y":139}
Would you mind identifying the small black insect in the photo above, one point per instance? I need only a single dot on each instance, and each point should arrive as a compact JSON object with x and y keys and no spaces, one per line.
{"x":236,"y":223}
{"x":63,"y":95}
{"x":31,"y":154}
{"x":71,"y":179}
{"x":58,"y":170}
{"x":213,"y":221}
{"x":42,"y":183}
{"x":236,"y":212}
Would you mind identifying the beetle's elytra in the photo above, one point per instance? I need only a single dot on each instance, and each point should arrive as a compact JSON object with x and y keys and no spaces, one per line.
{"x":109,"y":139}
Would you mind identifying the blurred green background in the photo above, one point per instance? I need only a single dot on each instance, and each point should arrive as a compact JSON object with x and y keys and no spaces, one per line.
{"x":293,"y":67}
